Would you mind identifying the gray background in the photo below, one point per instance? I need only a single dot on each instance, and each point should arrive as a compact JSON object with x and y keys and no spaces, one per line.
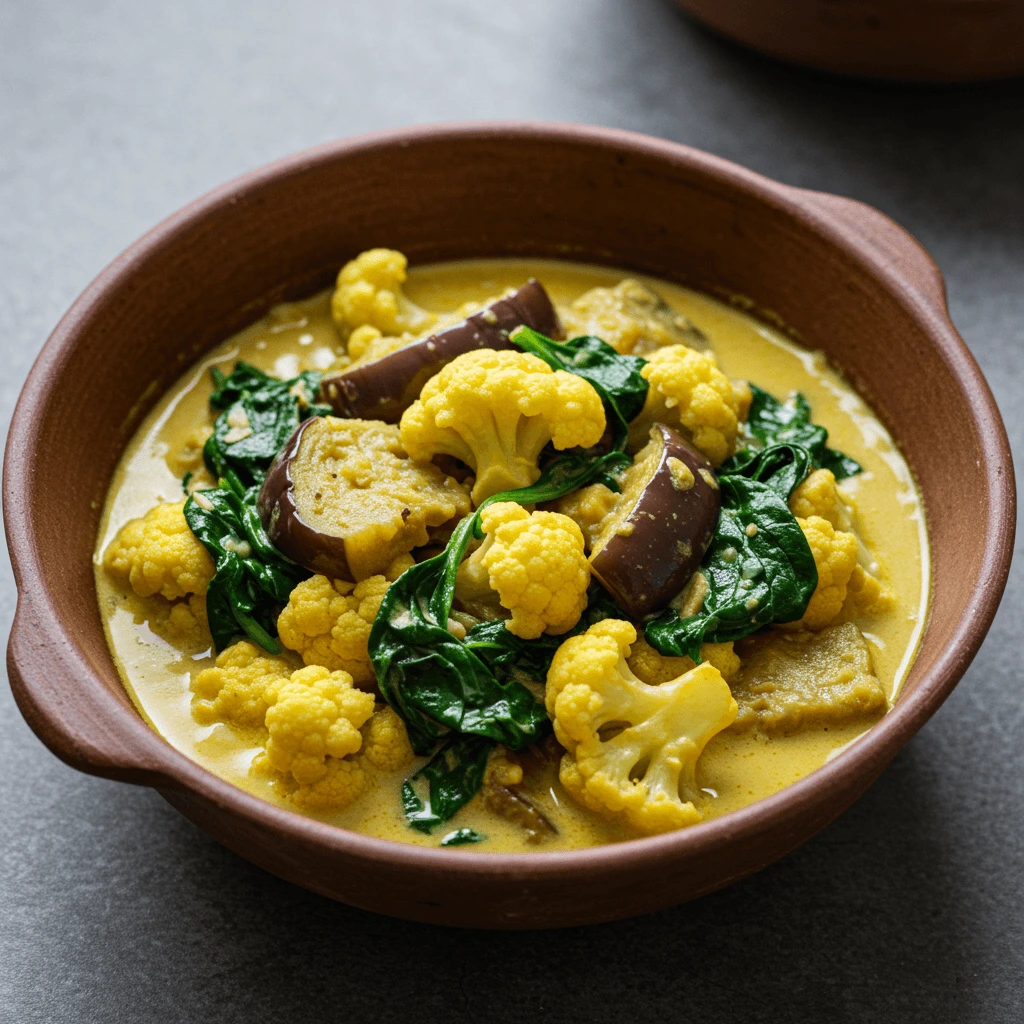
{"x":113,"y":908}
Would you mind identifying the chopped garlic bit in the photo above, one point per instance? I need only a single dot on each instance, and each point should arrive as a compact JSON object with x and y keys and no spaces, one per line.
{"x":202,"y":500}
{"x":236,"y":434}
{"x":242,"y":548}
{"x":237,"y":417}
{"x":751,"y":530}
{"x":708,"y":477}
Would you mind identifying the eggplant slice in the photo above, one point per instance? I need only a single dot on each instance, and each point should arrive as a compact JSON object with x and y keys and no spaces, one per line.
{"x":655,"y":537}
{"x":385,"y":388}
{"x":343,"y":499}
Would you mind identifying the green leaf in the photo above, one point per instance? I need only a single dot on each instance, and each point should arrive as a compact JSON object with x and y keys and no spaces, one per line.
{"x":527,"y":661}
{"x":771,"y":422}
{"x":461,"y":836}
{"x":759,"y":567}
{"x":447,"y":782}
{"x":252,"y":579}
{"x":272,"y":409}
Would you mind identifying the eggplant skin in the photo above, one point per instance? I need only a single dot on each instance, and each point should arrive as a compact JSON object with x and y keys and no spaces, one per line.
{"x":385,"y":388}
{"x":316,"y":551}
{"x":655,"y":538}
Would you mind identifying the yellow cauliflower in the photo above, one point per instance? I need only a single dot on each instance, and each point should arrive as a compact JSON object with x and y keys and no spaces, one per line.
{"x":313,"y":720}
{"x":495,"y":411}
{"x":342,"y":783}
{"x":535,"y":562}
{"x":867,"y":595}
{"x":367,"y":344}
{"x":386,"y":742}
{"x":183,"y":624}
{"x":631,"y":318}
{"x":369,"y":293}
{"x":632,"y":748}
{"x":835,"y":555}
{"x":688,"y":390}
{"x":819,"y":496}
{"x":233,"y":691}
{"x":158,"y":554}
{"x":328,"y":623}
{"x":655,"y":668}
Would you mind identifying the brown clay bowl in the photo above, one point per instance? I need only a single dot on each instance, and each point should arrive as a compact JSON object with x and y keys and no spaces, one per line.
{"x":902,"y":40}
{"x":847,"y":278}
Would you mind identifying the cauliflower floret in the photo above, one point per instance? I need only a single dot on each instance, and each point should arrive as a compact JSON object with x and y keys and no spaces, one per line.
{"x":866,"y":595}
{"x":183,"y":624}
{"x":655,"y":668}
{"x":631,"y":318}
{"x":159,"y":554}
{"x":369,"y":293}
{"x":367,"y":344}
{"x":495,"y":411}
{"x":818,"y":496}
{"x":535,"y":562}
{"x":386,"y":741}
{"x":233,"y":691}
{"x":328,"y":623}
{"x":342,"y":783}
{"x":835,"y":555}
{"x":688,"y":390}
{"x":632,"y":749}
{"x":313,"y":719}
{"x":587,"y":508}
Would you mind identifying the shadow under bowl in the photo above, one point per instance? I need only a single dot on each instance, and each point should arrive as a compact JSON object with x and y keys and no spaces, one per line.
{"x":845,"y":277}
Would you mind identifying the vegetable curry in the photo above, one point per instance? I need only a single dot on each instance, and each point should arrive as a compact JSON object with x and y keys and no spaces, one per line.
{"x":511,"y":555}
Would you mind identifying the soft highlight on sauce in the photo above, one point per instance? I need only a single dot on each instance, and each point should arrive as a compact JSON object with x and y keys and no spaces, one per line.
{"x":735,"y":769}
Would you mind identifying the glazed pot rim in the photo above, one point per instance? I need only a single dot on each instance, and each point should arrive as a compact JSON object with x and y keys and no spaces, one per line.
{"x":161,"y":765}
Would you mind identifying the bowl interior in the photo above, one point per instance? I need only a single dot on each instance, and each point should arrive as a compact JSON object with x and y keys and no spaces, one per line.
{"x":440,"y":194}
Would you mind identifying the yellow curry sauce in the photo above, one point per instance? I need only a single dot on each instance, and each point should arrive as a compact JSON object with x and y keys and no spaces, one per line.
{"x":736,"y":768}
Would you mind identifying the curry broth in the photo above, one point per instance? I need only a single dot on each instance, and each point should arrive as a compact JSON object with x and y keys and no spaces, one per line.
{"x":736,"y":768}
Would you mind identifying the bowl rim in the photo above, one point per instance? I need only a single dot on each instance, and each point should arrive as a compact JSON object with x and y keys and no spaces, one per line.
{"x":165,"y":767}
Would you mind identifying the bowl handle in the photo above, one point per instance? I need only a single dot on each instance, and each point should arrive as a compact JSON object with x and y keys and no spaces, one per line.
{"x":894,"y":244}
{"x":83,"y":723}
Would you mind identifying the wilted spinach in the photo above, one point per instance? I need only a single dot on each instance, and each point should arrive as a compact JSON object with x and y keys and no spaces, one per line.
{"x":446,"y":782}
{"x":462,"y":836}
{"x":527,"y":661}
{"x":268,"y":408}
{"x":441,"y":685}
{"x":771,"y":422}
{"x":252,"y":578}
{"x":759,"y":567}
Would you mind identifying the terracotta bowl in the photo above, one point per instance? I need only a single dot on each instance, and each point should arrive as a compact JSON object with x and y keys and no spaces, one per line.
{"x":903,"y":40}
{"x":848,"y":279}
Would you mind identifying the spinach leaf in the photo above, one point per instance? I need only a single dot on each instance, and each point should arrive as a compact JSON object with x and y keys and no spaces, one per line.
{"x":616,"y":378}
{"x":461,"y":836}
{"x":252,"y":579}
{"x":771,"y":422}
{"x":759,"y":567}
{"x":448,"y":781}
{"x":528,"y":661}
{"x":260,"y":414}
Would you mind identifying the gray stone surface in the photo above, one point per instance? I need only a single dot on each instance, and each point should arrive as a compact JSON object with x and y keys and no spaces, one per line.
{"x":113,"y":908}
